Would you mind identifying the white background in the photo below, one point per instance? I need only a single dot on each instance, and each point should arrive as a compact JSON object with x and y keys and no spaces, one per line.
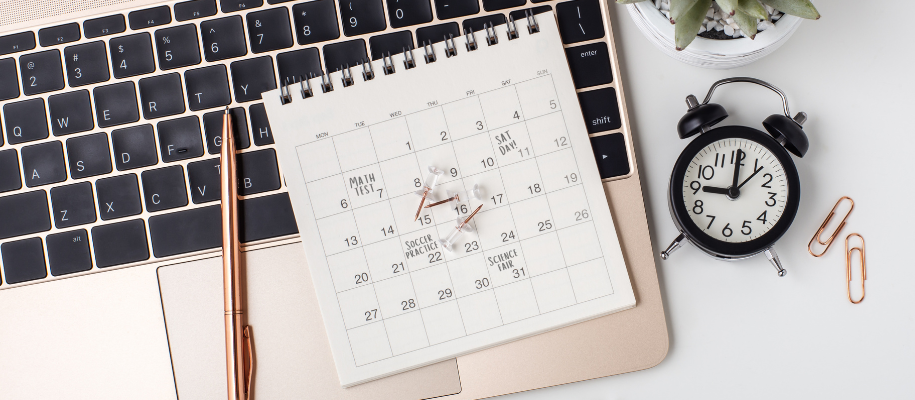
{"x":736,"y":329}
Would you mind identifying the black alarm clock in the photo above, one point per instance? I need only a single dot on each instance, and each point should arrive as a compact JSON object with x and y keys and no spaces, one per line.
{"x":735,"y":190}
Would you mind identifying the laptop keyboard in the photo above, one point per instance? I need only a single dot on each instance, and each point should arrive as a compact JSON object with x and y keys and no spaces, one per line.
{"x":129,"y":171}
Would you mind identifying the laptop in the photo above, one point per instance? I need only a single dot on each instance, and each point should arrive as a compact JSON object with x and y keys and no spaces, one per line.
{"x":110,"y":120}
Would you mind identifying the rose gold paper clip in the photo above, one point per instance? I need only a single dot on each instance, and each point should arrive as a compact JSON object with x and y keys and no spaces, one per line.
{"x":818,"y":236}
{"x":848,"y":253}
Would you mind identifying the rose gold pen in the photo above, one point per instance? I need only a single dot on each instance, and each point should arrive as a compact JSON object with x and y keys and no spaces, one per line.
{"x":239,"y":362}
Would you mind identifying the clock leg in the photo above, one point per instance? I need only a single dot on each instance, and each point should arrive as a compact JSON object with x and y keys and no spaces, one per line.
{"x":773,"y":258}
{"x":673,"y":247}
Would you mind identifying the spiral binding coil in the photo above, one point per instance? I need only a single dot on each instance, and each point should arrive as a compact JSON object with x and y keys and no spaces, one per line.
{"x":429,"y":56}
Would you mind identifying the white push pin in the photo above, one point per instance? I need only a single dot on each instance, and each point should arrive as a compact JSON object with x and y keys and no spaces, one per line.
{"x":461,"y":227}
{"x":461,"y":197}
{"x":428,"y":185}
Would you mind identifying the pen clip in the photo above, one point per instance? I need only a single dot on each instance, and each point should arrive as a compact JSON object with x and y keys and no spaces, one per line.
{"x":248,"y":375}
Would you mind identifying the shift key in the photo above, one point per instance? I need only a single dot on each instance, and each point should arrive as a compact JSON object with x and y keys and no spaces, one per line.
{"x":24,"y":213}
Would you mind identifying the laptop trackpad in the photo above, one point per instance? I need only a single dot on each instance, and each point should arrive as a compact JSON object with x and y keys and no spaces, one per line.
{"x":293,"y":357}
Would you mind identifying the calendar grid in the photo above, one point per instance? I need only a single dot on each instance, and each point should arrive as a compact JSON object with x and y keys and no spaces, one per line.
{"x":501,"y":291}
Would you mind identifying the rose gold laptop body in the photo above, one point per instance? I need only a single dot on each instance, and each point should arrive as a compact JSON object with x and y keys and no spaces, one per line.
{"x":154,"y":330}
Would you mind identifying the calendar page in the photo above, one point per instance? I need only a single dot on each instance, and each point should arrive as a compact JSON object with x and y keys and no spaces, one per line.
{"x":501,"y":128}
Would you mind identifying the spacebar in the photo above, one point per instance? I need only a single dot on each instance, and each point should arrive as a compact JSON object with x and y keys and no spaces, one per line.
{"x":186,"y":231}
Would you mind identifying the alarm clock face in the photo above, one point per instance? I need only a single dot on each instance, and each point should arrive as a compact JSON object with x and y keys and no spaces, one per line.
{"x":734,"y":191}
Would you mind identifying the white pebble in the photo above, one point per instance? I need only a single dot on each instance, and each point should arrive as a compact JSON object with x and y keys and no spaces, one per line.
{"x":763,"y":25}
{"x":728,"y":30}
{"x":776,"y":17}
{"x":769,"y":9}
{"x":723,"y":15}
{"x":718,"y":28}
{"x":729,"y":21}
{"x":702,"y":29}
{"x":711,"y":25}
{"x":666,"y":14}
{"x":665,"y":6}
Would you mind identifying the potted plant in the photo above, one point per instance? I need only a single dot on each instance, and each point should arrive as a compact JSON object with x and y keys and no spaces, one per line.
{"x":720,"y":33}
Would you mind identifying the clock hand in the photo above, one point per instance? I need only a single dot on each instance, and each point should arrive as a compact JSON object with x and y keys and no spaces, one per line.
{"x":749,"y":177}
{"x":711,"y":189}
{"x":740,"y":156}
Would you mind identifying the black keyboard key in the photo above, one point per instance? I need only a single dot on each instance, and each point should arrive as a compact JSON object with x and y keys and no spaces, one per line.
{"x":266,"y":217}
{"x":188,"y":10}
{"x":580,"y":20}
{"x":104,"y":26}
{"x":520,"y":15}
{"x":164,"y":188}
{"x":447,"y":9}
{"x":41,"y":72}
{"x":611,"y":155}
{"x":297,"y":65}
{"x":207,"y":87}
{"x":25,"y":121}
{"x":120,"y":243}
{"x":177,"y":47}
{"x":179,"y":139}
{"x":223,"y":38}
{"x":362,"y":16}
{"x":186,"y":231}
{"x":60,"y":34}
{"x":238,"y":5}
{"x":252,"y":77}
{"x":149,"y":17}
{"x":73,"y":205}
{"x":269,"y":30}
{"x":257,"y":172}
{"x":391,"y":43}
{"x":86,"y":64}
{"x":203,"y":177}
{"x":88,"y":155}
{"x":212,"y":127}
{"x":131,"y":55}
{"x":9,"y":85}
{"x":68,"y":252}
{"x":493,"y":5}
{"x":9,"y":171}
{"x":344,"y":53}
{"x":23,"y":260}
{"x":118,"y":196}
{"x":260,"y":126}
{"x":70,"y":113}
{"x":43,"y":164}
{"x":134,"y":147}
{"x":480,"y":23}
{"x":600,"y":109}
{"x":409,"y":12}
{"x":160,"y":96}
{"x":437,"y":33}
{"x":116,"y":104}
{"x":17,"y":42}
{"x":315,"y":21}
{"x":590,"y":65}
{"x":24,"y":213}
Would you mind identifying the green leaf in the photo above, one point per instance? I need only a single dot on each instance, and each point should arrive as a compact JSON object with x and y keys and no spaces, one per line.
{"x":687,"y":27}
{"x":729,"y":6}
{"x":800,"y":8}
{"x":746,"y":22}
{"x":680,"y":7}
{"x":629,"y":1}
{"x":753,"y":9}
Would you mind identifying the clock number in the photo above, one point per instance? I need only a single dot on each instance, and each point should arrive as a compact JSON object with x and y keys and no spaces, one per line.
{"x":727,"y":231}
{"x":771,"y":197}
{"x":746,"y":230}
{"x":762,"y":217}
{"x":766,"y":185}
{"x":695,"y":185}
{"x":697,"y":207}
{"x":710,"y":222}
{"x":706,"y":172}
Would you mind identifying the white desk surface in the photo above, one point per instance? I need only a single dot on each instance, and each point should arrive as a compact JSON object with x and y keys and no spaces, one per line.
{"x":737,"y":328}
